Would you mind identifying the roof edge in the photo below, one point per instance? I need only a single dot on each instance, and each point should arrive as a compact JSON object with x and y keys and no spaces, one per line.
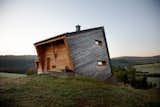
{"x":68,"y":34}
{"x":52,"y":39}
{"x":85,"y":30}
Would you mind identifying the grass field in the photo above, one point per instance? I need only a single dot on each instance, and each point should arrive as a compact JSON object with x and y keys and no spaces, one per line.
{"x":48,"y":91}
{"x":11,"y":75}
{"x":150,"y":68}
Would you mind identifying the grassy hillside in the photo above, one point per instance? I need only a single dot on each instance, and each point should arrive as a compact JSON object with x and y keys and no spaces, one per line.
{"x":150,"y":68}
{"x":153,"y":72}
{"x":16,"y":64}
{"x":48,"y":91}
{"x":130,"y":61}
{"x":11,"y":75}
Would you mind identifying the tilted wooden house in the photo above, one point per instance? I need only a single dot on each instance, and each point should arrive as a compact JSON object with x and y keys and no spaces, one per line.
{"x":83,"y":52}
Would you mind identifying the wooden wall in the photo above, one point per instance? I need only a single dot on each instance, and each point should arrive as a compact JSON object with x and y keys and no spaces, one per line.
{"x":38,"y":66}
{"x":54,"y":56}
{"x":85,"y":53}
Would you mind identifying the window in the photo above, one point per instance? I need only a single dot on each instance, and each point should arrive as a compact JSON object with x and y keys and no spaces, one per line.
{"x":53,"y":66}
{"x":98,"y":42}
{"x":101,"y":62}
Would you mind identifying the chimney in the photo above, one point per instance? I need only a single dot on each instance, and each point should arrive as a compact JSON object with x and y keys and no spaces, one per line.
{"x":78,"y":28}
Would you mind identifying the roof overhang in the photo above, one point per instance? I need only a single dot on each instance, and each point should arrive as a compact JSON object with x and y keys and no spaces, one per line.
{"x":62,"y":36}
{"x":46,"y":41}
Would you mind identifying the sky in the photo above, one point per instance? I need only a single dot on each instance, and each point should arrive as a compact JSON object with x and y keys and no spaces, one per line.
{"x":132,"y":27}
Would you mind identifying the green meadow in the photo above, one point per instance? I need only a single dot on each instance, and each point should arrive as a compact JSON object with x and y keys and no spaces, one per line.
{"x":150,"y":68}
{"x":48,"y":91}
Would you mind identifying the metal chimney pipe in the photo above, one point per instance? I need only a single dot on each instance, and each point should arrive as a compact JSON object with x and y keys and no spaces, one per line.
{"x":78,"y":28}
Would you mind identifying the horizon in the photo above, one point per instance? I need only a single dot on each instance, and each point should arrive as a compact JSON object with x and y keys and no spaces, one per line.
{"x":131,"y":27}
{"x":110,"y":57}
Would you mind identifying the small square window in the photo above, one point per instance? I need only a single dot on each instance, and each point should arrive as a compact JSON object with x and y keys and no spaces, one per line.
{"x":101,"y":62}
{"x":98,"y":42}
{"x":53,"y":66}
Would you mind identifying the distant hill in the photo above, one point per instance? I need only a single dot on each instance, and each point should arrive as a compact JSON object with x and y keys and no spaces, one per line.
{"x":16,"y":64}
{"x":127,"y":60}
{"x":21,"y":64}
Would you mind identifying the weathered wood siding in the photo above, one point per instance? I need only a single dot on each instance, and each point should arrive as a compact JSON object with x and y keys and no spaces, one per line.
{"x":85,"y":54}
{"x":38,"y":66}
{"x":54,"y":56}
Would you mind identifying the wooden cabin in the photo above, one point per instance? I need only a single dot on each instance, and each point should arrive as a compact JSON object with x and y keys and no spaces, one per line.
{"x":83,"y":52}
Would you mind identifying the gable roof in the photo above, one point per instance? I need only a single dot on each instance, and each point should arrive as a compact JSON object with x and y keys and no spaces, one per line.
{"x":67,"y":34}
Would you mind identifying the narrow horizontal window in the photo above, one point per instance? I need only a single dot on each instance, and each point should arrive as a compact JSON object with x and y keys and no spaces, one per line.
{"x":98,"y":42}
{"x":101,"y":62}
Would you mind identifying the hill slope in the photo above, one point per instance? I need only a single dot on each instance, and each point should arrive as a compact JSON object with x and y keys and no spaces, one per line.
{"x":125,"y":61}
{"x":18,"y":64}
{"x":48,"y":91}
